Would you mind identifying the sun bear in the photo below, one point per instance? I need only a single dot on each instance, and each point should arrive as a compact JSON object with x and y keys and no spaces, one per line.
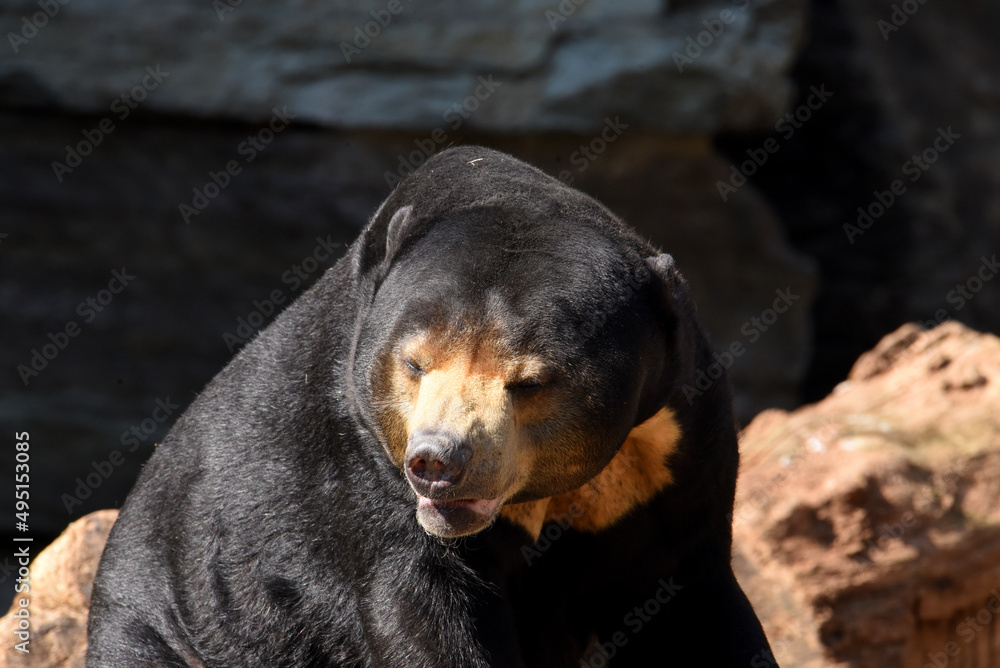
{"x":465,"y":446}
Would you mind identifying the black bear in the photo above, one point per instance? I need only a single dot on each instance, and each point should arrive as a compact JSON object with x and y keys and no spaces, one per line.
{"x":467,"y":445}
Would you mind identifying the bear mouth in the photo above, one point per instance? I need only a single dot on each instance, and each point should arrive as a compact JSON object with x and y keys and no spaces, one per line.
{"x":449,"y":518}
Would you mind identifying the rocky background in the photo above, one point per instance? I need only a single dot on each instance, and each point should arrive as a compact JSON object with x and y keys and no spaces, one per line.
{"x":172,"y":175}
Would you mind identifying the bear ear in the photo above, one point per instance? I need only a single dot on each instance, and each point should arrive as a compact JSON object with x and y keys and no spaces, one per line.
{"x":685,"y":340}
{"x":662,"y":265}
{"x":675,"y":289}
{"x":383,"y":237}
{"x":399,"y":225}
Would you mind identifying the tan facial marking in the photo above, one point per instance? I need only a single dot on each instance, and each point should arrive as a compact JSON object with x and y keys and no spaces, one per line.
{"x":462,"y":388}
{"x":460,"y":399}
{"x":631,"y":478}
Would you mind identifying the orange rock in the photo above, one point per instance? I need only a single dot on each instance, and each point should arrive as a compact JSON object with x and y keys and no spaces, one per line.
{"x":61,"y":579}
{"x":867,"y":526}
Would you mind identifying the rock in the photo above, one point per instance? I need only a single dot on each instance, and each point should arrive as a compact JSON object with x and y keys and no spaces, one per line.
{"x":560,"y":66}
{"x":61,"y":578}
{"x":910,"y":255}
{"x":868,"y":525}
{"x":946,"y":144}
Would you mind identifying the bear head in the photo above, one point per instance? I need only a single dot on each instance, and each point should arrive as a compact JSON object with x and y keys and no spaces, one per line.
{"x":511,"y":333}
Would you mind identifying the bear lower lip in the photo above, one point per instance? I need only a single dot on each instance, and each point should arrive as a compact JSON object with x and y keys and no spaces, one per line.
{"x":479,"y":506}
{"x":456,"y":517}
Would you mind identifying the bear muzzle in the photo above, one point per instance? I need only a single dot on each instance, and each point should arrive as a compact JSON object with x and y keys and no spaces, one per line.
{"x":450,"y":501}
{"x":435,"y":462}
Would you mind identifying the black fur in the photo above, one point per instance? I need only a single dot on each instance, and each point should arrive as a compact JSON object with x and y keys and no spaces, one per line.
{"x":271,"y":528}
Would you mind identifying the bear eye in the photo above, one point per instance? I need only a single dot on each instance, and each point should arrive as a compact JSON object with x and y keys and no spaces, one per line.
{"x":413,"y":368}
{"x":525,"y":386}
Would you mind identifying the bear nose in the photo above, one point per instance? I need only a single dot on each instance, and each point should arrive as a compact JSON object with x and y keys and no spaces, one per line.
{"x":435,"y":458}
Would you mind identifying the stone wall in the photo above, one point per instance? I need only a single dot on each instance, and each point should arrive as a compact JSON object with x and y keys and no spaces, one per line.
{"x":916,"y":104}
{"x":390,"y":64}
